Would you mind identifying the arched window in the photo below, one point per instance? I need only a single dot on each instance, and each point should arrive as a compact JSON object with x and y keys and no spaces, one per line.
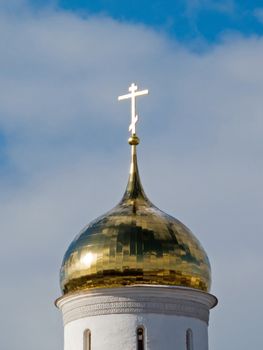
{"x":189,"y":339}
{"x":140,"y":338}
{"x":87,"y":340}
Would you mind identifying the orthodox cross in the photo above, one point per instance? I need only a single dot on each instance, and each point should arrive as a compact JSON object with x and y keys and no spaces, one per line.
{"x":132,"y":95}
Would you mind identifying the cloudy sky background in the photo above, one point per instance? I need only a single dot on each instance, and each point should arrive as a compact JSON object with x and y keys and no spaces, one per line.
{"x":64,"y":156}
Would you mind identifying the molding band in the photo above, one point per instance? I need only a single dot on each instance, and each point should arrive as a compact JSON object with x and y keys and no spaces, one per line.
{"x":136,"y":300}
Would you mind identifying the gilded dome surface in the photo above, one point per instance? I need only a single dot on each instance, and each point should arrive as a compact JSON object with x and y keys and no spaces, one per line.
{"x":134,"y":243}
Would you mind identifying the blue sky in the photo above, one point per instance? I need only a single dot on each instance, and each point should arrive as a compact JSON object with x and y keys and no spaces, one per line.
{"x":64,"y":156}
{"x":186,"y":20}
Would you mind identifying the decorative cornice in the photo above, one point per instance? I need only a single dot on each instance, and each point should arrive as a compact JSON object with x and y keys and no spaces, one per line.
{"x":136,"y":300}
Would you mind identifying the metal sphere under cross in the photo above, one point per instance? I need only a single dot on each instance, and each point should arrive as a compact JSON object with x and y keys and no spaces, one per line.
{"x":132,"y":95}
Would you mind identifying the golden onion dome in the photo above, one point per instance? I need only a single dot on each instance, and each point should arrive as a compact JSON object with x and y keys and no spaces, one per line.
{"x":134,"y":243}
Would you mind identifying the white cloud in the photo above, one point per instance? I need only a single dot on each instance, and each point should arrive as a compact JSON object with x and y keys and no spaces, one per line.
{"x":200,"y":156}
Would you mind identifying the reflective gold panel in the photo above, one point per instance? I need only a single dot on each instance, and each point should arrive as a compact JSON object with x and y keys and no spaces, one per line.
{"x":135,"y":243}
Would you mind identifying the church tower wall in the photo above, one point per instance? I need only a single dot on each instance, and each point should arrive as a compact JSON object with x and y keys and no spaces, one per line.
{"x":137,"y":318}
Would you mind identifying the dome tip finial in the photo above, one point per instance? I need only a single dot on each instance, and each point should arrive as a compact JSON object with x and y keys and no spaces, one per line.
{"x":134,"y":140}
{"x":134,"y":188}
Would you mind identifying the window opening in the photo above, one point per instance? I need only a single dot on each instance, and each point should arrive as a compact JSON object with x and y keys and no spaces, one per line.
{"x":87,"y":340}
{"x":189,"y":339}
{"x":140,"y":338}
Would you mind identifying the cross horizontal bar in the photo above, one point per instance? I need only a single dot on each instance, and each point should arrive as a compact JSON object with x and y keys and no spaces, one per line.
{"x":135,"y":94}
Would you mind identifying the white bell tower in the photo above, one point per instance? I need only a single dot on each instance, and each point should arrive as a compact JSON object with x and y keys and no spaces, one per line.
{"x":135,"y":278}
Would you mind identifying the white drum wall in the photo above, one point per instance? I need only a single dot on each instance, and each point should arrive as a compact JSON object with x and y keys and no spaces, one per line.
{"x":113,"y":315}
{"x":118,"y":332}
